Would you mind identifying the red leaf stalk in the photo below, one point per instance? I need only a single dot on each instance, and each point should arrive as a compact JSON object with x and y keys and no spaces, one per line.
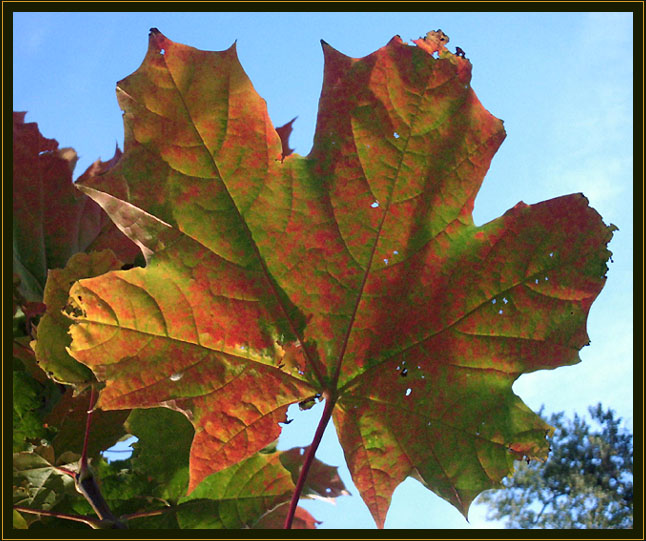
{"x":309,"y":457}
{"x":87,"y":430}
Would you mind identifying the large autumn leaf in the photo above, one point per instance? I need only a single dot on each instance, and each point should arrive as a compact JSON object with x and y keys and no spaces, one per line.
{"x":356,"y":271}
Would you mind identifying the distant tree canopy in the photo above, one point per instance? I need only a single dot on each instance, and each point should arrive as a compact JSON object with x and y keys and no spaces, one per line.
{"x":587,"y":481}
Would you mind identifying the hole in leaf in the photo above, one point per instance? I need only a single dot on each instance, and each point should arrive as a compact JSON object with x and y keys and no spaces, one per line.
{"x":551,"y":254}
{"x":177,"y":376}
{"x":505,"y":300}
{"x":375,"y":204}
{"x":404,"y":373}
{"x":162,"y":52}
{"x":536,"y":281}
{"x":302,"y":451}
{"x":546,"y":278}
{"x":396,"y":135}
{"x":395,"y":252}
{"x":328,"y":490}
{"x":409,"y":391}
{"x":493,"y":301}
{"x":499,"y":311}
{"x":385,"y":261}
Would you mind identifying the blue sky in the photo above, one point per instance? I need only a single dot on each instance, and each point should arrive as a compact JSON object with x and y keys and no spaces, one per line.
{"x":562,"y":83}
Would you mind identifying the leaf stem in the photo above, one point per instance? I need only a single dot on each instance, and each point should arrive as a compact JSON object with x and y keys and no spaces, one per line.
{"x":90,"y":521}
{"x":87,"y":430}
{"x":330,"y":402}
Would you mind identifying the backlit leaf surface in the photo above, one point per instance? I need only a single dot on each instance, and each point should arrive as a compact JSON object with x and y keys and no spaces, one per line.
{"x":356,"y":271}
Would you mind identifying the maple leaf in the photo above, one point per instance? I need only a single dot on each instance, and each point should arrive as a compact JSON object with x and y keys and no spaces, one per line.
{"x":37,"y":483}
{"x":52,"y":220}
{"x":355,"y":272}
{"x":233,"y":497}
{"x":254,"y":493}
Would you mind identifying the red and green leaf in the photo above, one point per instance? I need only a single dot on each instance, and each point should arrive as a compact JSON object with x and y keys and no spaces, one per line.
{"x":356,"y":271}
{"x":254,"y":493}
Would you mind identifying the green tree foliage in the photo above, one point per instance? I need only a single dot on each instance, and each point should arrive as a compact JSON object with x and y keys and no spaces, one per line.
{"x":587,"y":481}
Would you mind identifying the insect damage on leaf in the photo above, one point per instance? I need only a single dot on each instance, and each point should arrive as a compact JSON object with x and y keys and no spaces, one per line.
{"x":355,"y":272}
{"x":309,"y":403}
{"x":433,"y":42}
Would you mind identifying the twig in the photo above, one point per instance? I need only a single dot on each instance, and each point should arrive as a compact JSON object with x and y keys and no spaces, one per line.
{"x":90,"y":521}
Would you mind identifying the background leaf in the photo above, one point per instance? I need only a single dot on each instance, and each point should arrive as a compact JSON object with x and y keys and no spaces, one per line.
{"x":51,"y":219}
{"x":69,"y":417}
{"x":52,"y":334}
{"x":162,"y":450}
{"x":36,"y":483}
